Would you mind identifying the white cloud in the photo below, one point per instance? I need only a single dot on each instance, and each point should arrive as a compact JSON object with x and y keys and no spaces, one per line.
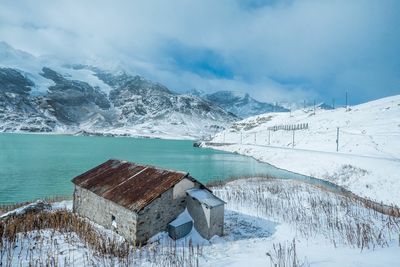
{"x":280,"y":50}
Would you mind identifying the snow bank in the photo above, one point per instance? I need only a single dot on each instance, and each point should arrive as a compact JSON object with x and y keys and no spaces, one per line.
{"x":37,"y":206}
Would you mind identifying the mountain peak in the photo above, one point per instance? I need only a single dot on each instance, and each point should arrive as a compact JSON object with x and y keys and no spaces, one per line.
{"x":241,"y":104}
{"x":10,"y":55}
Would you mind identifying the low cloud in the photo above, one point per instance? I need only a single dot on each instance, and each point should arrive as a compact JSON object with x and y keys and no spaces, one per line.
{"x":275,"y":50}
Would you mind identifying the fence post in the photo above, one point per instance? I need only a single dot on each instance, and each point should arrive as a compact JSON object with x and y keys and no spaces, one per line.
{"x":269,"y":137}
{"x":293,"y":139}
{"x":337,"y":139}
{"x":314,"y":106}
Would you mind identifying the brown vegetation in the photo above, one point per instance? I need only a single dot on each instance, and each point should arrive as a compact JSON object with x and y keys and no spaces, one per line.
{"x":100,"y":248}
{"x":341,"y":219}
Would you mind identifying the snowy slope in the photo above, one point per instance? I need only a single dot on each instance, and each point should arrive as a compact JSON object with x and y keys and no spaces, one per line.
{"x":368,"y":160}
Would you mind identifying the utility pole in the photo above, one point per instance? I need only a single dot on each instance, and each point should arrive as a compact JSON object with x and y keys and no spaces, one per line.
{"x":333,"y":103}
{"x":314,"y":106}
{"x":304,"y":105}
{"x":293,"y":139}
{"x":269,"y":137}
{"x":337,"y":139}
{"x":346,"y":102}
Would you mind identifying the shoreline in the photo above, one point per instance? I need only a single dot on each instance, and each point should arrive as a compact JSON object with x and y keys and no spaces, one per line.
{"x":104,"y":134}
{"x":322,"y":183}
{"x":392,"y":210}
{"x":367,"y":177}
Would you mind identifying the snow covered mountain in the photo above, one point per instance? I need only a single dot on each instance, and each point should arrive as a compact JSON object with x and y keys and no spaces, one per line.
{"x":239,"y":103}
{"x":36,"y":97}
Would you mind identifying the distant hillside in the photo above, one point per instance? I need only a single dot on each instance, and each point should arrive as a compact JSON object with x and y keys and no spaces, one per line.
{"x":364,"y":129}
{"x":240,"y":104}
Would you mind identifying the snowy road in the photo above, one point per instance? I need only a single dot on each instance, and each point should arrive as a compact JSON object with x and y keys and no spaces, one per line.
{"x":396,"y":159}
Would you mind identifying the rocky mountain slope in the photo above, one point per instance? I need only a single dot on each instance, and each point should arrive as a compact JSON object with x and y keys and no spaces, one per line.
{"x":240,"y":104}
{"x":85,"y":99}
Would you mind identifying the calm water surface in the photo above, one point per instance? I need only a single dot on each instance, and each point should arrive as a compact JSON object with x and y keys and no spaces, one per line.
{"x":34,"y":166}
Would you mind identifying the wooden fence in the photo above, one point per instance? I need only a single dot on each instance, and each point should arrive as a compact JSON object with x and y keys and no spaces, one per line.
{"x":289,"y":127}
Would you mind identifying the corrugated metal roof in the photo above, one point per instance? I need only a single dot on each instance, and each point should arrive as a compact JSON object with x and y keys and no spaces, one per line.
{"x":128,"y":184}
{"x":205,"y":197}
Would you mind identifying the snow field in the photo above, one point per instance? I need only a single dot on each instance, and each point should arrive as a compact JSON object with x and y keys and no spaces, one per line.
{"x":267,"y":222}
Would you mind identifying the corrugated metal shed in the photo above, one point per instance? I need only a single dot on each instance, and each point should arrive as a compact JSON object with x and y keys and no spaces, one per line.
{"x":181,"y":226}
{"x":205,"y":197}
{"x":128,"y":184}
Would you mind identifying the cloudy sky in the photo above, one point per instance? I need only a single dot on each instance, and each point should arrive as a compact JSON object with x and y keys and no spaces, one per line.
{"x":277,"y":50}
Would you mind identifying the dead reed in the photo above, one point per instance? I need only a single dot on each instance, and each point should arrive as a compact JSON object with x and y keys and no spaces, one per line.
{"x":341,"y":219}
{"x":222,"y":182}
{"x":62,"y":238}
{"x":285,"y":255}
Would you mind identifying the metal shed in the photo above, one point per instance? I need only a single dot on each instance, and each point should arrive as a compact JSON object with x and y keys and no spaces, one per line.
{"x":207,"y":212}
{"x":181,"y":226}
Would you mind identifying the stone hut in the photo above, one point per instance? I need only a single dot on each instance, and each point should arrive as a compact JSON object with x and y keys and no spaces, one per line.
{"x":137,"y":201}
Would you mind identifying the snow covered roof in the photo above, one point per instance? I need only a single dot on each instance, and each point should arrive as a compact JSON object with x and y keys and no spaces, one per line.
{"x":128,"y":184}
{"x":205,"y":197}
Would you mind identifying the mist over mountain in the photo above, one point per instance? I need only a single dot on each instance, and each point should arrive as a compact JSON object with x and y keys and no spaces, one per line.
{"x":35,"y":97}
{"x":242,"y":104}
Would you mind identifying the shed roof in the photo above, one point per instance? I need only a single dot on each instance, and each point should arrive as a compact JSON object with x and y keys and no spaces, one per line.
{"x":128,"y":184}
{"x":205,"y":197}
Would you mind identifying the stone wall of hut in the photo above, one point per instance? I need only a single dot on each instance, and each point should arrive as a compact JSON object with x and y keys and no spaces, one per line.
{"x":134,"y":227}
{"x":103,"y":212}
{"x":155,"y":217}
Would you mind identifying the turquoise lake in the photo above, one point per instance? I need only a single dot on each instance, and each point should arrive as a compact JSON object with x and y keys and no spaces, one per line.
{"x":34,"y":166}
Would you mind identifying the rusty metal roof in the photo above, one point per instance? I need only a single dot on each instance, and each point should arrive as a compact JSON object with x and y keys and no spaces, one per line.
{"x":128,"y":184}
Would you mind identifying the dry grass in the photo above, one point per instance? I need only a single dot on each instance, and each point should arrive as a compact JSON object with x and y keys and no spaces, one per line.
{"x":34,"y":239}
{"x":285,"y":255}
{"x":27,"y":234}
{"x":340,"y":219}
{"x":222,"y":182}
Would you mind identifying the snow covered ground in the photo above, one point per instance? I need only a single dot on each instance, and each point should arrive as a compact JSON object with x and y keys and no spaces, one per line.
{"x":266,"y":221}
{"x":368,"y":160}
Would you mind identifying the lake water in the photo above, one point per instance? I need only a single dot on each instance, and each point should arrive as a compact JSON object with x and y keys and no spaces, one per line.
{"x":34,"y":166}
